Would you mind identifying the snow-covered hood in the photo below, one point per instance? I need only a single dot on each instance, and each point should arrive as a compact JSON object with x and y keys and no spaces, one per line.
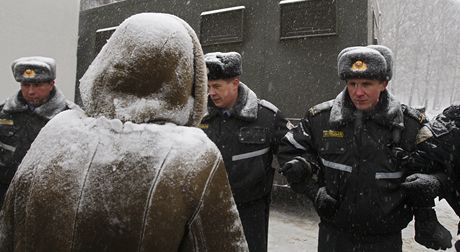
{"x":151,"y":70}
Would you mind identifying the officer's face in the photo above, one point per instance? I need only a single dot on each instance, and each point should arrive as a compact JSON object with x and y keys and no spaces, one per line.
{"x":365,"y":93}
{"x":36,"y":93}
{"x":223,"y":92}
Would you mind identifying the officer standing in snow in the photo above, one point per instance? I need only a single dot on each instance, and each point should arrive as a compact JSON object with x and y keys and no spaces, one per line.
{"x":439,"y":148}
{"x":247,"y":132}
{"x":24,"y":114}
{"x":353,"y":145}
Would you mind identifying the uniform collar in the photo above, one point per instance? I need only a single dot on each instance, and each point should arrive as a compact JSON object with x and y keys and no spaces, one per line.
{"x":245,"y":108}
{"x":388,"y":111}
{"x":57,"y":103}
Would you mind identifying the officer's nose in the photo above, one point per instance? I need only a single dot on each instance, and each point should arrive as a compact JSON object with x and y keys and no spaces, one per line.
{"x":359,"y":91}
{"x":211,"y":91}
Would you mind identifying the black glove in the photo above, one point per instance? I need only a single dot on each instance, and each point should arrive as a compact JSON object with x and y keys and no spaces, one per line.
{"x":422,"y":186}
{"x":325,"y":204}
{"x":429,"y":232}
{"x":296,"y":171}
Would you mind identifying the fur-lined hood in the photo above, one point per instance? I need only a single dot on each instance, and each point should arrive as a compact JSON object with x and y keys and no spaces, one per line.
{"x":55,"y":105}
{"x":245,"y":108}
{"x":387,"y":112}
{"x":152,"y":69}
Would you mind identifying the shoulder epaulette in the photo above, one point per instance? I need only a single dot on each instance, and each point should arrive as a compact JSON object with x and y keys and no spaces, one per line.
{"x":325,"y":106}
{"x":414,"y":114}
{"x":268,"y":105}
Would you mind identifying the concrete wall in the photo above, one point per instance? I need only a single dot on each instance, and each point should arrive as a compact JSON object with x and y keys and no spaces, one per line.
{"x":292,"y":72}
{"x":39,"y":27}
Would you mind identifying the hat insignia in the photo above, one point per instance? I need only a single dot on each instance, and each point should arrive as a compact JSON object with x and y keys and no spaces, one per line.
{"x":359,"y":66}
{"x":29,"y":73}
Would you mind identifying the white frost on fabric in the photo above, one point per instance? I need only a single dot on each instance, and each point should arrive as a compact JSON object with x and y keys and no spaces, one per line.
{"x":135,"y":39}
{"x":76,"y":130}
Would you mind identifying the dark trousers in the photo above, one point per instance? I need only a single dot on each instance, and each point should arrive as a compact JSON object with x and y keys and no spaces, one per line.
{"x":254,"y":217}
{"x":331,"y":239}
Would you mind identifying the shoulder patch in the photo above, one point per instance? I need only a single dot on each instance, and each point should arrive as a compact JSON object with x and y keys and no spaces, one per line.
{"x":423,"y":134}
{"x":414,"y":114}
{"x":268,"y":105}
{"x":325,"y":106}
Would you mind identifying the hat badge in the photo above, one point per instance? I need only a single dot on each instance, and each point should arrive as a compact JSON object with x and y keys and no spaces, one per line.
{"x":359,"y":66}
{"x":29,"y":73}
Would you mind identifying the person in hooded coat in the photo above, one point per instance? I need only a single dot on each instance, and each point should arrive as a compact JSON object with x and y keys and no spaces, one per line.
{"x":131,"y":174}
{"x":25,"y":113}
{"x":347,"y":156}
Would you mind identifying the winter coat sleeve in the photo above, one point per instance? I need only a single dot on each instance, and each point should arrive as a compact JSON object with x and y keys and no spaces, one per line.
{"x":297,"y":143}
{"x":281,"y":127}
{"x":216,"y":221}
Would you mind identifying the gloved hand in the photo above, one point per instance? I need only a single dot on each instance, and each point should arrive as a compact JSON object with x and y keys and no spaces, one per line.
{"x":422,"y":186}
{"x":429,"y":232}
{"x":296,"y":171}
{"x":325,"y":204}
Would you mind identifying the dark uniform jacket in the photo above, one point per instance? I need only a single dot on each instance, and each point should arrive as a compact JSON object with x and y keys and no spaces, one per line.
{"x":438,"y":148}
{"x":247,"y":137}
{"x":352,"y":152}
{"x":19,"y":125}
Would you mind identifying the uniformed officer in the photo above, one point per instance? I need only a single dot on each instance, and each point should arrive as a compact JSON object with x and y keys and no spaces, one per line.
{"x":24,"y":114}
{"x":247,"y":131}
{"x":439,"y":147}
{"x":353,"y":144}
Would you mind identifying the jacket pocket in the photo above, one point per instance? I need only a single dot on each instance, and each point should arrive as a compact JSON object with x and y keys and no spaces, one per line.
{"x":333,"y":156}
{"x":253,"y":135}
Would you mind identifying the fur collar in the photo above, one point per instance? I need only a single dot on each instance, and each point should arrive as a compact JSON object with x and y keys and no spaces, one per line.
{"x":387,"y":112}
{"x":55,"y":105}
{"x":246,"y":106}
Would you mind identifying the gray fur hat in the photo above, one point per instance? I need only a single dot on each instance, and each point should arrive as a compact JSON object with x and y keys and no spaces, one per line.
{"x":371,"y":62}
{"x":34,"y":69}
{"x":223,"y":65}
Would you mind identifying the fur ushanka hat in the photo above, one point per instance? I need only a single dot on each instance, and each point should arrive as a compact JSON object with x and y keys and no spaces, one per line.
{"x":223,"y":65}
{"x":35,"y":69}
{"x":371,"y":62}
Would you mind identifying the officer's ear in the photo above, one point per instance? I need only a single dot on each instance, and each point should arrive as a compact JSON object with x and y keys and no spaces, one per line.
{"x":236,"y":81}
{"x":384,"y":84}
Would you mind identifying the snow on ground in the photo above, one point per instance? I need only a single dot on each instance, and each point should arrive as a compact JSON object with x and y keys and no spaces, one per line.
{"x":296,"y":229}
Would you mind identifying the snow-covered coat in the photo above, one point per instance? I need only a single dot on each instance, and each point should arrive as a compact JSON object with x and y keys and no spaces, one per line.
{"x":19,"y":126}
{"x":109,"y":181}
{"x":355,"y":160}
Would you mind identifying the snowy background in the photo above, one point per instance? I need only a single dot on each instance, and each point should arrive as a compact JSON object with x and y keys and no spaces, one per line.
{"x":424,"y":35}
{"x":39,"y":28}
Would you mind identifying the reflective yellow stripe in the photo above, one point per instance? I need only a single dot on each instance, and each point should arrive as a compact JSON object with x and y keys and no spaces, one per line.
{"x":6,"y":122}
